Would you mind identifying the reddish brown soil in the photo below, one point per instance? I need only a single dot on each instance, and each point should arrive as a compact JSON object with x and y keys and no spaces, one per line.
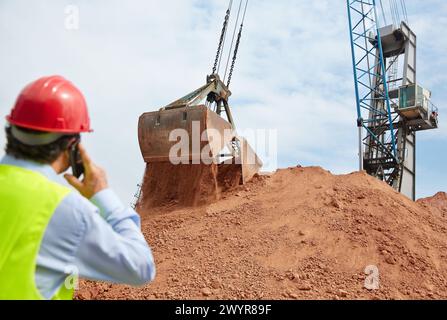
{"x":301,"y":233}
{"x":437,"y":203}
{"x":165,"y":184}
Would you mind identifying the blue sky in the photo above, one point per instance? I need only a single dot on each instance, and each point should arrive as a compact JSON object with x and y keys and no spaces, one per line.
{"x":293,"y":73}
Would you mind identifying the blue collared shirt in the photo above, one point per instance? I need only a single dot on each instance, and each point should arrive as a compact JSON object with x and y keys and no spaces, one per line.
{"x":99,"y":239}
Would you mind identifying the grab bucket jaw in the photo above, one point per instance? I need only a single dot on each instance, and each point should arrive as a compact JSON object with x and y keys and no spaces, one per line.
{"x":194,"y":135}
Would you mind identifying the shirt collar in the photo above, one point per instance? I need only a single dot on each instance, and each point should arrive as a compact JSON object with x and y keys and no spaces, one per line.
{"x":44,"y":169}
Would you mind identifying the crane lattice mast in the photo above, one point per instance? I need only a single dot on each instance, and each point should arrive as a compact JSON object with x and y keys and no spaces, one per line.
{"x":390,"y":105}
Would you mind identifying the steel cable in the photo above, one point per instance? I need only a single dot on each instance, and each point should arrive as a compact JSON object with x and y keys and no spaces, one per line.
{"x":232,"y":40}
{"x":236,"y":49}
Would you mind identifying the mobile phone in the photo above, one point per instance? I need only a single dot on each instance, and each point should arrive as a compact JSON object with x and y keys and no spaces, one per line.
{"x":77,"y":167}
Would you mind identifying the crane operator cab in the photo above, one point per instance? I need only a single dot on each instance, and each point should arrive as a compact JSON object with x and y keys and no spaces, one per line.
{"x":416,"y":108}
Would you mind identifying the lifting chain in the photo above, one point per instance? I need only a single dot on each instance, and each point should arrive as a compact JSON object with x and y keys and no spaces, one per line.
{"x":222,"y":38}
{"x":236,"y":48}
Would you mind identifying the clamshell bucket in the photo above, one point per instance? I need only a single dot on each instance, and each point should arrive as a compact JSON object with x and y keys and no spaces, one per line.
{"x":194,"y":135}
{"x":193,"y":153}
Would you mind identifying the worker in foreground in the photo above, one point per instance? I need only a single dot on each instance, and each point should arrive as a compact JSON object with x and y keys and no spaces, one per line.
{"x":49,"y":235}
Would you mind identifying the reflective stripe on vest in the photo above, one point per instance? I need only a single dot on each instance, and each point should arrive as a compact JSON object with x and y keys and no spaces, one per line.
{"x":27,"y":201}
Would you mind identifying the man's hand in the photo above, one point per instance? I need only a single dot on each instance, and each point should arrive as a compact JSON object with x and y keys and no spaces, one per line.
{"x":94,"y":180}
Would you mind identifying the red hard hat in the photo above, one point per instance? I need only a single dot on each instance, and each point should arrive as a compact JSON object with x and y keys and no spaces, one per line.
{"x":51,"y":104}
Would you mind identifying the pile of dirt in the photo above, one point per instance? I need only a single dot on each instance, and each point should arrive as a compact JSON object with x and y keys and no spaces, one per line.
{"x":437,"y":203}
{"x":301,"y":233}
{"x":165,"y":184}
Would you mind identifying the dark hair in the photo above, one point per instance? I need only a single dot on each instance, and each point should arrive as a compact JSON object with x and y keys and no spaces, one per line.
{"x":47,"y":153}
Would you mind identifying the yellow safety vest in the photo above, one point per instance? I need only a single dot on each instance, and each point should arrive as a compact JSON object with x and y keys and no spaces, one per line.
{"x":27,"y":202}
